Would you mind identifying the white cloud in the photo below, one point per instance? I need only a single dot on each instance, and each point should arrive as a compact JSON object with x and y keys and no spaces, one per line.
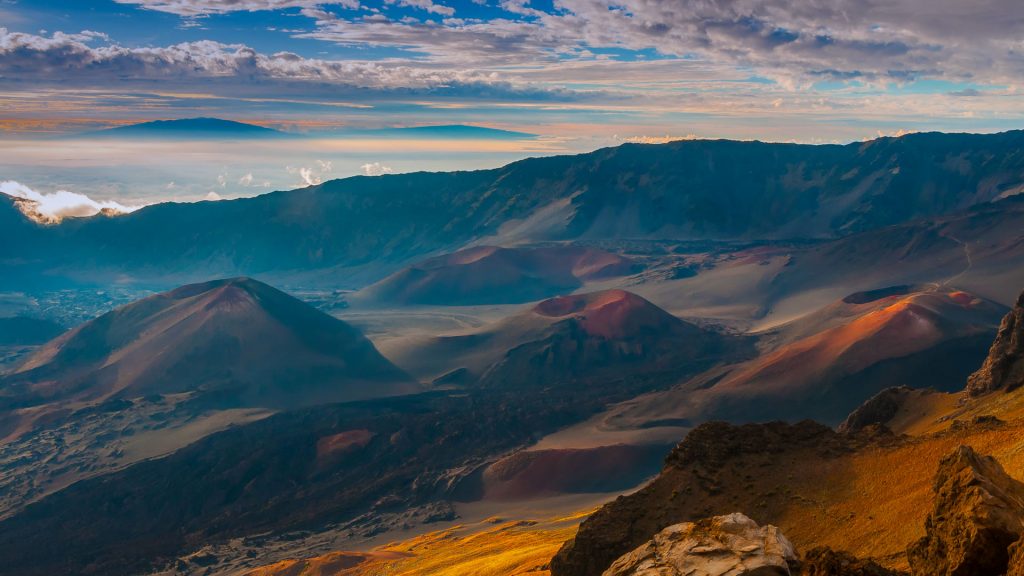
{"x":376,"y":169}
{"x":202,"y":7}
{"x":312,"y":175}
{"x":427,"y":5}
{"x":51,"y":208}
{"x":67,"y":59}
{"x":644,"y":139}
{"x":212,"y":196}
{"x":246,"y":180}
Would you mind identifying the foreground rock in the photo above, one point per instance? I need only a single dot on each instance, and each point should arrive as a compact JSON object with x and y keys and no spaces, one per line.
{"x":718,"y":467}
{"x":1004,"y":367}
{"x":978,"y":514}
{"x":732,"y":545}
{"x":824,"y":561}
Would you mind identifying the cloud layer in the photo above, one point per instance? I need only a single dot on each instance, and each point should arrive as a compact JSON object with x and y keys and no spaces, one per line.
{"x":51,"y":208}
{"x":645,"y":63}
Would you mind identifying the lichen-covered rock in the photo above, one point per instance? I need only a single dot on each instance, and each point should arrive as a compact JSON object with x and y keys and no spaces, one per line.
{"x":824,"y":561}
{"x":730,"y":545}
{"x":978,"y":514}
{"x":1004,"y":367}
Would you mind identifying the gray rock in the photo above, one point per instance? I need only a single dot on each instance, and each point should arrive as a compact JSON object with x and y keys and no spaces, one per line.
{"x":731,"y":545}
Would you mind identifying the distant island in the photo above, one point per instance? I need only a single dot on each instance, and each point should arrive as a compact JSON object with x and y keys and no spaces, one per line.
{"x":220,"y":128}
{"x":449,"y":132}
{"x":190,"y":127}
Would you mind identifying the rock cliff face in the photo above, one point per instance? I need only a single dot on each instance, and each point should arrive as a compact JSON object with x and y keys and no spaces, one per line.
{"x":978,"y":514}
{"x":731,"y":545}
{"x":1004,"y":367}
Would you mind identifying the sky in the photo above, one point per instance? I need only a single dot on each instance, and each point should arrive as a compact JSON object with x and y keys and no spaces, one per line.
{"x":578,"y":73}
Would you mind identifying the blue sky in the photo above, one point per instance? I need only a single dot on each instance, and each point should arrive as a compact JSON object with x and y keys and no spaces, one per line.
{"x":581,"y":74}
{"x":593,"y":70}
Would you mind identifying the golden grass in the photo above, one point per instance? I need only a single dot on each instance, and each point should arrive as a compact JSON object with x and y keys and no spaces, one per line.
{"x":499,"y":549}
{"x":874,"y":502}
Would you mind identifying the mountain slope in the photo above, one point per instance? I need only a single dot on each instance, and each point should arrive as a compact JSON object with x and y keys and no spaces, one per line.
{"x":578,"y":338}
{"x":494,"y":275}
{"x":867,"y":490}
{"x":825,"y":365}
{"x":687,"y":190}
{"x":18,"y":330}
{"x":285,"y":473}
{"x":236,"y":338}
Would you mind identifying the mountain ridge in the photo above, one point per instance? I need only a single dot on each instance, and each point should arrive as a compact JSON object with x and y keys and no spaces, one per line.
{"x":676,"y":190}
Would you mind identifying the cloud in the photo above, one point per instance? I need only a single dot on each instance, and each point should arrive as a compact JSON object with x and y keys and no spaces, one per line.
{"x":427,"y":5}
{"x":51,"y":208}
{"x":312,"y":175}
{"x":246,"y":180}
{"x":67,"y":58}
{"x":203,"y":7}
{"x":640,"y":63}
{"x":376,"y":169}
{"x":212,"y":196}
{"x":654,"y":139}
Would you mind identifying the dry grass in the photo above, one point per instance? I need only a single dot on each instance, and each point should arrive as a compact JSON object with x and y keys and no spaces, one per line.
{"x":874,"y":503}
{"x":494,"y":549}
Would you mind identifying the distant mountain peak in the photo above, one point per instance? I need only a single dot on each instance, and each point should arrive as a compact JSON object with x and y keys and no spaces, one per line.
{"x":452,"y":132}
{"x":183,"y":127}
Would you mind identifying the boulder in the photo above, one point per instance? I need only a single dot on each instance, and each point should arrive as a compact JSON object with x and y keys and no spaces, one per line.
{"x":1004,"y":367}
{"x":824,"y":561}
{"x":978,"y":514}
{"x":730,"y":545}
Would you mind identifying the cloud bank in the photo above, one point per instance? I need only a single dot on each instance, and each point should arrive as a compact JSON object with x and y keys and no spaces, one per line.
{"x":51,"y":208}
{"x":641,"y":64}
{"x":376,"y":169}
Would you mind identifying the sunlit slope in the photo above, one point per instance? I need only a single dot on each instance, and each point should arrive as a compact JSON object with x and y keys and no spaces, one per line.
{"x":824,"y":365}
{"x":498,"y":549}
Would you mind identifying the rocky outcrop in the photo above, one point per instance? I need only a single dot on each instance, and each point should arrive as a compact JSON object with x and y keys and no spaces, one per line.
{"x":978,"y":514}
{"x":824,"y":561}
{"x":711,"y":472}
{"x":732,"y":545}
{"x":879,"y":409}
{"x":1004,"y":367}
